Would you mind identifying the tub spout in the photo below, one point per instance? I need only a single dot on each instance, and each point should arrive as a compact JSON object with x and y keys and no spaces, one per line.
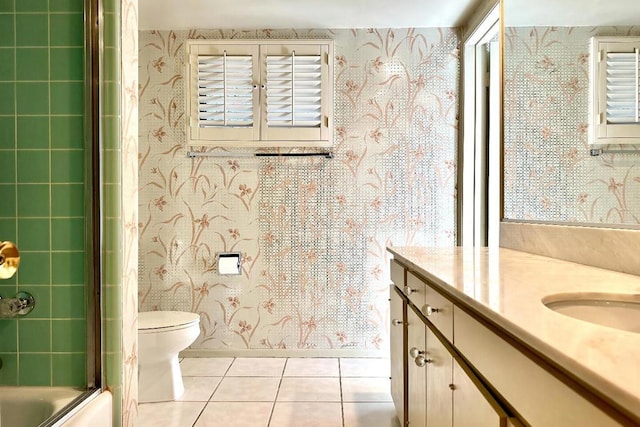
{"x":21,"y":305}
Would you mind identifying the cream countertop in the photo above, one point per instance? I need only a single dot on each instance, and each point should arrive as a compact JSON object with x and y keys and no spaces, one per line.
{"x":506,"y":287}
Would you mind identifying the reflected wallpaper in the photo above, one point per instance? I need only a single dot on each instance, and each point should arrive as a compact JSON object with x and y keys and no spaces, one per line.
{"x":549,"y":174}
{"x":312,"y":231}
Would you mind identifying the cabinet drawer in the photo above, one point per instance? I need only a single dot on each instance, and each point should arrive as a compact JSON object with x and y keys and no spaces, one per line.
{"x":439,"y":311}
{"x":545,"y":400}
{"x":415,"y":290}
{"x":397,"y":274}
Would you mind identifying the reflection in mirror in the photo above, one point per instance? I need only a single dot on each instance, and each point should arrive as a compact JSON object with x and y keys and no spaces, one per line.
{"x":549,"y":174}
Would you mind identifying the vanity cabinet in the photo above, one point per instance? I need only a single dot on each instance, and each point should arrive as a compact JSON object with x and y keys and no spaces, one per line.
{"x":459,"y":372}
{"x":455,"y":396}
{"x":438,"y":390}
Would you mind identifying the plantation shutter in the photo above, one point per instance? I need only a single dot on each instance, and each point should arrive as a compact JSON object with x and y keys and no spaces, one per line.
{"x":225,"y":90}
{"x":296,"y":83}
{"x":615,"y":90}
{"x":294,"y":90}
{"x":259,"y":93}
{"x":223,"y":96}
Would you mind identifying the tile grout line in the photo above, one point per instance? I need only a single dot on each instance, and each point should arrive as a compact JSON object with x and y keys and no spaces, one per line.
{"x":213,"y":392}
{"x":275,"y":399}
{"x":341,"y":395}
{"x":208,"y":401}
{"x":15,"y":174}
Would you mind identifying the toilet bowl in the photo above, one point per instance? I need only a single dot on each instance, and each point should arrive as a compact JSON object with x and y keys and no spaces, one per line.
{"x":161,"y":336}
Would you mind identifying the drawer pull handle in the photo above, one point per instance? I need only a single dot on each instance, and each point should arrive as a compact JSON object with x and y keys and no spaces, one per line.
{"x":396,"y":322}
{"x":408,"y":290}
{"x":419,"y":357}
{"x":428,"y":310}
{"x":421,"y":361}
{"x":414,"y":352}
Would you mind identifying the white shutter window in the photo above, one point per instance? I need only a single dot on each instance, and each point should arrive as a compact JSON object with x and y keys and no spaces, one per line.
{"x":259,"y":93}
{"x":615,"y":90}
{"x":623,"y":86}
{"x":294,"y":90}
{"x":225,"y":91}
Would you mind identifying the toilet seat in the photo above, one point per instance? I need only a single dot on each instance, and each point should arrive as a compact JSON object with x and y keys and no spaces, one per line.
{"x":162,"y":321}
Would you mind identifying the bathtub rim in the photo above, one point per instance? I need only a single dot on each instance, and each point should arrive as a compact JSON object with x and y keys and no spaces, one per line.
{"x":66,"y":413}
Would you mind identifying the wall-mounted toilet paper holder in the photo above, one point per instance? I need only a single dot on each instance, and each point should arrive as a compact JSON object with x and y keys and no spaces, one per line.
{"x":229,"y":263}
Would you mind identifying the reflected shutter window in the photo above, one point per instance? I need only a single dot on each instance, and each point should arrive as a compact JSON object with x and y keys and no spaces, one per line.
{"x":294,"y":97}
{"x":614,"y":98}
{"x":623,"y":87}
{"x":225,"y":91}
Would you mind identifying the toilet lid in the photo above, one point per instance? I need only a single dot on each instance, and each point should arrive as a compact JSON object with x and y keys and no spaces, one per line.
{"x":165,"y":319}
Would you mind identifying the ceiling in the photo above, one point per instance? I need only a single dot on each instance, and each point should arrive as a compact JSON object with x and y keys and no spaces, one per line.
{"x":303,"y":14}
{"x":571,"y":13}
{"x":272,"y":14}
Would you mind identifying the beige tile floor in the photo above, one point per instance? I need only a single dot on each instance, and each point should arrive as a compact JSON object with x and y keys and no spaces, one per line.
{"x":278,"y":392}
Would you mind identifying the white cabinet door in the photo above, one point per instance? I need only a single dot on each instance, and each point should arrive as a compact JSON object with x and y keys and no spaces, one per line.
{"x":472,"y":404}
{"x":397,"y":355}
{"x":416,"y":372}
{"x":501,"y":364}
{"x":439,"y":379}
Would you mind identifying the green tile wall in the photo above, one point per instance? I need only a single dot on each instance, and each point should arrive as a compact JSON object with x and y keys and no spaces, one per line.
{"x":42,"y":189}
{"x":113,"y":224}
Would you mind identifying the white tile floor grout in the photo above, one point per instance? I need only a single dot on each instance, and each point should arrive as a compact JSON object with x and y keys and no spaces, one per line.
{"x":278,"y":392}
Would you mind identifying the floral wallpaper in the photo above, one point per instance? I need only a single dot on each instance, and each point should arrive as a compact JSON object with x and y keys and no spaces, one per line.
{"x":549,"y":173}
{"x":312,"y":231}
{"x":129,"y":215}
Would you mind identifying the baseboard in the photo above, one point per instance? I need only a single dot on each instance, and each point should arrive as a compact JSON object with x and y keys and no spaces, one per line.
{"x":284,"y":353}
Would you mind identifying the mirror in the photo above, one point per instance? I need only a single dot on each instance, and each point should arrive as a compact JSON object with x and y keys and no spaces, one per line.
{"x":549,"y":172}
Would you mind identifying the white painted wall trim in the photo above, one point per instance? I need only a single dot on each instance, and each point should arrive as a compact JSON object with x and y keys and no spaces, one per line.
{"x":482,"y":33}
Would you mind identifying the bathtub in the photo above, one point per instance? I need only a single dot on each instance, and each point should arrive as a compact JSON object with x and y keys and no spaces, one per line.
{"x":31,"y":406}
{"x":47,"y":406}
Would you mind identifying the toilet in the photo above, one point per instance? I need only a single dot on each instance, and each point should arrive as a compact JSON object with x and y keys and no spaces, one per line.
{"x":161,"y":336}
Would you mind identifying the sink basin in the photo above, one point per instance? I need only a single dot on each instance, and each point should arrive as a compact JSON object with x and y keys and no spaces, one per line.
{"x":620,"y":311}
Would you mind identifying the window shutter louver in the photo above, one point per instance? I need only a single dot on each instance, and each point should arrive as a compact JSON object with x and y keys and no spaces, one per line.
{"x":623,"y":86}
{"x":225,"y":91}
{"x":294,"y":90}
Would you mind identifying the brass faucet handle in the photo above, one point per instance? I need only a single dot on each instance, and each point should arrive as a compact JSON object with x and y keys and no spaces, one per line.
{"x":9,"y":259}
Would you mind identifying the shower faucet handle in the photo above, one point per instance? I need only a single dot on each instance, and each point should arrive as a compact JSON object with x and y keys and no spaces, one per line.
{"x":21,"y":305}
